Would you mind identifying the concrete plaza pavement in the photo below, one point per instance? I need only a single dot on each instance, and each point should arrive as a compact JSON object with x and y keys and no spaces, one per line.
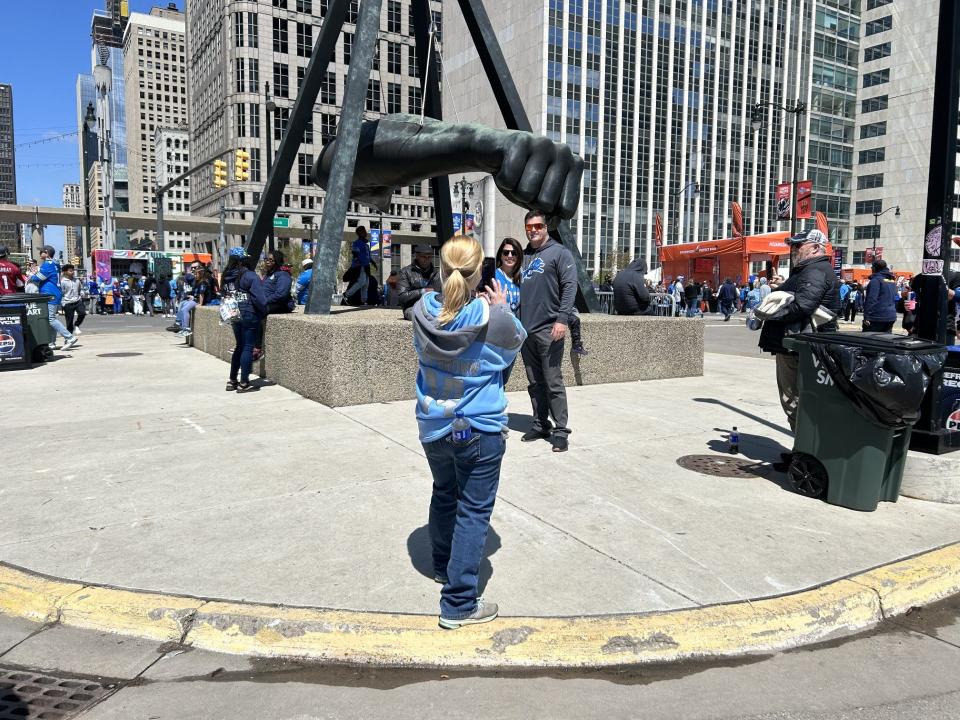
{"x":139,"y":471}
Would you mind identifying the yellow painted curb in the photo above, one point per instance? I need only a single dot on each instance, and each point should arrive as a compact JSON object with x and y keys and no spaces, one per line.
{"x":765,"y":625}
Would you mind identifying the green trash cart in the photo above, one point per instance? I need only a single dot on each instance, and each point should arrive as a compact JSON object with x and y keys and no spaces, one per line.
{"x":838,"y":453}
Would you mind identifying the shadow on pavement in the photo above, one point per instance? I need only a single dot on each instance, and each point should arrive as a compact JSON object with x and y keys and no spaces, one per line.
{"x":421,"y":555}
{"x":13,"y":706}
{"x":762,"y":450}
{"x":755,"y":418}
{"x":519,"y":423}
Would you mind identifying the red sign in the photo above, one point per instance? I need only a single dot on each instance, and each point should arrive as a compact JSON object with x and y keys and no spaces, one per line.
{"x":804,"y":199}
{"x":868,"y":256}
{"x":783,"y":201}
{"x":737,"y":213}
{"x":658,"y":231}
{"x":704,"y":266}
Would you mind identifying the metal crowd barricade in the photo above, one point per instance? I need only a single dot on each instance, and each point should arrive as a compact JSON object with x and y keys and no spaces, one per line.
{"x":605,"y":298}
{"x":663,"y":304}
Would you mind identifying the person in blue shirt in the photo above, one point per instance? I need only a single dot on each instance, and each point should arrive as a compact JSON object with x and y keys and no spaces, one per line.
{"x":509,"y":261}
{"x":463,"y":345}
{"x":303,"y":281}
{"x":47,"y":278}
{"x":361,"y":259}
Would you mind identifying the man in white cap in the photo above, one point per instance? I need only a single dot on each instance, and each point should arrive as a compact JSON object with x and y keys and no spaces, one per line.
{"x":813,"y":283}
{"x":303,"y":280}
{"x":417,"y":279}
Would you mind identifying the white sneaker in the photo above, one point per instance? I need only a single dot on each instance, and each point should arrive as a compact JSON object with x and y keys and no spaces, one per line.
{"x":77,"y":331}
{"x":69,"y":344}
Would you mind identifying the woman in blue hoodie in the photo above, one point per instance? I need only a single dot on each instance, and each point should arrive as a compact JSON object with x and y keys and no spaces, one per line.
{"x":463,"y":344}
{"x":240,"y":280}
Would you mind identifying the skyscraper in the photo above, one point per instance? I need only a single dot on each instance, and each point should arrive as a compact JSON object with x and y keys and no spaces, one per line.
{"x":236,"y":52}
{"x":894,"y":127}
{"x":656,"y":96}
{"x":72,"y":198}
{"x":155,"y":79}
{"x":9,"y":232}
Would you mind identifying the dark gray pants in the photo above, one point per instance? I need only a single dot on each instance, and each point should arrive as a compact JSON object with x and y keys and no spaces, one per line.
{"x":788,"y":367}
{"x":542,"y":358}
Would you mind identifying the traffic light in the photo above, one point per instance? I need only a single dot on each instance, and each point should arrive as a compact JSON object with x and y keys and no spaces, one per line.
{"x":241,"y":166}
{"x":219,"y":174}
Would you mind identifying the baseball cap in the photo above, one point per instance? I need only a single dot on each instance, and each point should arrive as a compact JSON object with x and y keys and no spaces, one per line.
{"x":306,"y":261}
{"x":422,"y":250}
{"x":808,"y":236}
{"x":238,"y":252}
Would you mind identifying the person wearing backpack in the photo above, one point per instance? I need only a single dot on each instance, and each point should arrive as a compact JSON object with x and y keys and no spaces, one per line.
{"x":243,"y":285}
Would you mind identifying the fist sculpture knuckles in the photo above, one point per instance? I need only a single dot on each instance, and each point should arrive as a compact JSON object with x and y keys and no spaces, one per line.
{"x":397,"y":150}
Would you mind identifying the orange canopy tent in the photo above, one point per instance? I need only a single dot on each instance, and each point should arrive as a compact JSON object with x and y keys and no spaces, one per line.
{"x":715,"y":260}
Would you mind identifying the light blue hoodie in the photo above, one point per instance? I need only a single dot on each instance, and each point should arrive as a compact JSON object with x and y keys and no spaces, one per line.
{"x":461,"y":365}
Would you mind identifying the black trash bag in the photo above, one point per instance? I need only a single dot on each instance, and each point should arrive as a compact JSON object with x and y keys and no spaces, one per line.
{"x":887,"y":388}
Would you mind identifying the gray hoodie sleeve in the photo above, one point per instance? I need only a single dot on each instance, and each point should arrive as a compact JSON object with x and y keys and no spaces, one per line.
{"x":567,"y":277}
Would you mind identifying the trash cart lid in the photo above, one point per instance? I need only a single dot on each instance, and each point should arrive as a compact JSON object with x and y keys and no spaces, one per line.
{"x":25,"y":298}
{"x":876,"y":342}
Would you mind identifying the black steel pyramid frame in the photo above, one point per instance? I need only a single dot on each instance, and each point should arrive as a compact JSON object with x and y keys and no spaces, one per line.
{"x":348,"y":133}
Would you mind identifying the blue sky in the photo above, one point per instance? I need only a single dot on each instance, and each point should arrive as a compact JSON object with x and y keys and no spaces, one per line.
{"x":43,"y":47}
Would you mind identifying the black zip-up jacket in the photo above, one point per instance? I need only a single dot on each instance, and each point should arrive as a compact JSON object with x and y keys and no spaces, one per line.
{"x":813,"y":283}
{"x":412,"y":282}
{"x":630,"y":293}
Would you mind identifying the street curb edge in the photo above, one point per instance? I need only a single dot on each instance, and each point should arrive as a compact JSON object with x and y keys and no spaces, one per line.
{"x":840,"y":607}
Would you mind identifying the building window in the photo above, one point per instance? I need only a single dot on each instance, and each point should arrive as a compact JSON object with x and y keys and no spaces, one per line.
{"x":239,"y":75}
{"x":859,"y":257}
{"x":873,"y":130}
{"x":280,"y":35}
{"x":281,"y":80}
{"x":328,"y":127}
{"x":254,"y":120}
{"x":303,"y":170}
{"x":869,"y":207}
{"x":877,"y":77}
{"x":393,"y":58}
{"x":241,"y":120}
{"x":873,"y":104}
{"x":876,"y":52}
{"x":353,"y":12}
{"x":874,"y":4}
{"x":393,"y":16}
{"x":869,"y":182}
{"x":872,"y":156}
{"x":393,"y":98}
{"x":373,"y":95}
{"x":308,"y":131}
{"x":413,"y":100}
{"x":253,"y":76}
{"x":238,"y":34}
{"x":304,"y":39}
{"x":280,"y":118}
{"x":253,"y":32}
{"x":866,"y":232}
{"x":282,"y":4}
{"x":878,"y":26}
{"x":255,"y":165}
{"x":412,"y":66}
{"x":305,"y":6}
{"x":347,"y":47}
{"x":328,"y":89}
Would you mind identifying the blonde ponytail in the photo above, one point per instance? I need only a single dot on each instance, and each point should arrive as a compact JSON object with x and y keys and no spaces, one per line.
{"x":461,"y":262}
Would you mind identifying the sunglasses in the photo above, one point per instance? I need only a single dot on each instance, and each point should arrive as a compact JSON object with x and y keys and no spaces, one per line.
{"x":508,"y":253}
{"x":534,"y":227}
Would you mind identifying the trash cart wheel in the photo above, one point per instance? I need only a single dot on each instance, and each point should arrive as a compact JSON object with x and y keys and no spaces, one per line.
{"x":807,"y":476}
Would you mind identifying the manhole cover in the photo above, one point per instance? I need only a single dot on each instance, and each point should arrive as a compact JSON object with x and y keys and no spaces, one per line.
{"x":722,"y":466}
{"x":25,"y":695}
{"x":121,"y":354}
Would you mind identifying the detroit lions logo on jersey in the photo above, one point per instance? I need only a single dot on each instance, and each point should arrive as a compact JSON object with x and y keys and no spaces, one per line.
{"x":536,"y":266}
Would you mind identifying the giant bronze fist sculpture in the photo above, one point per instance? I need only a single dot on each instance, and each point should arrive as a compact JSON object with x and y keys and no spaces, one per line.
{"x":396,"y":150}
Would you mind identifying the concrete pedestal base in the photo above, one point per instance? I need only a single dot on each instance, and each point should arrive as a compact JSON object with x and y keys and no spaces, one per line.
{"x":932,"y":477}
{"x":359,"y":356}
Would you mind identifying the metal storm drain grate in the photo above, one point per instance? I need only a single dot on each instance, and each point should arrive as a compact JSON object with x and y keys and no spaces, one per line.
{"x":119,"y":354}
{"x":26,"y":695}
{"x":720,"y":466}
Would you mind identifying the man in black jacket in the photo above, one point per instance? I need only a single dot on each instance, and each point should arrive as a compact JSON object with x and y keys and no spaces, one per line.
{"x":630,"y":293}
{"x":417,"y":279}
{"x":813,"y":283}
{"x":727,"y":298}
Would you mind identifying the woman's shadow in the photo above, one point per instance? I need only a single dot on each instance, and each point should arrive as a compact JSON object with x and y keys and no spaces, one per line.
{"x":421,"y":555}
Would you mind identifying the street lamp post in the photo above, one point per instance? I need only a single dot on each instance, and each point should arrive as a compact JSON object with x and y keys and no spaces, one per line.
{"x":696,"y":191}
{"x":756,"y":120}
{"x":876,"y":229}
{"x":89,"y":123}
{"x":269,"y":107}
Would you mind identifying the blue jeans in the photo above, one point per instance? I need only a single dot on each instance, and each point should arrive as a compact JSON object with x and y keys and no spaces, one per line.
{"x":183,"y":314}
{"x":55,"y":321}
{"x":465,"y":480}
{"x":246,"y":332}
